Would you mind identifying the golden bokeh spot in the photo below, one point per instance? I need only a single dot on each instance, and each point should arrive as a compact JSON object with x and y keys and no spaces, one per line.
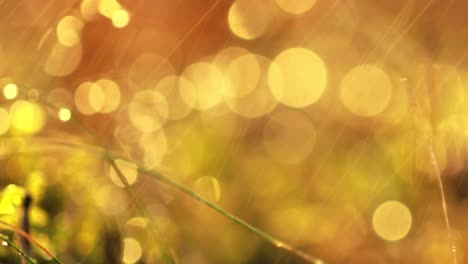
{"x":129,"y":171}
{"x":154,"y":146}
{"x":297,"y":77}
{"x":89,"y":9}
{"x":244,"y":75}
{"x":82,"y":98}
{"x":366,"y":90}
{"x":185,"y":154}
{"x":289,"y":136}
{"x":63,"y":60}
{"x":248,"y":19}
{"x":110,"y":200}
{"x":204,"y":87}
{"x":120,"y":18}
{"x":392,"y":220}
{"x":4,"y":121}
{"x":104,"y":96}
{"x":169,"y":88}
{"x":148,"y":111}
{"x":108,"y":7}
{"x":27,"y":118}
{"x":131,"y":250}
{"x":208,"y":187}
{"x":295,"y":6}
{"x":64,"y":114}
{"x":250,"y":95}
{"x":69,"y":30}
{"x":10,"y":91}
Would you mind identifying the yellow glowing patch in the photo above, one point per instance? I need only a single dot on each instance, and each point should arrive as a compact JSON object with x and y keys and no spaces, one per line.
{"x":104,"y":96}
{"x":208,"y":187}
{"x":392,"y":220}
{"x":120,"y":18}
{"x":148,"y":111}
{"x":248,"y":19}
{"x":10,"y":198}
{"x":297,"y":77}
{"x":244,"y":75}
{"x":295,"y":6}
{"x":69,"y":30}
{"x":63,"y":60}
{"x":249,"y":94}
{"x":89,"y":9}
{"x":289,"y":136}
{"x":131,"y":250}
{"x":64,"y":114}
{"x":366,"y":90}
{"x":82,"y":98}
{"x":108,"y":7}
{"x":154,"y":146}
{"x":169,"y":88}
{"x":129,"y":171}
{"x":26,"y":117}
{"x":204,"y":88}
{"x":4,"y":121}
{"x":10,"y":91}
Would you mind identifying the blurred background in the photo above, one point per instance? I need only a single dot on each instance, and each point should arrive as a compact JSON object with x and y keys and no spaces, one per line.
{"x":330,"y":125}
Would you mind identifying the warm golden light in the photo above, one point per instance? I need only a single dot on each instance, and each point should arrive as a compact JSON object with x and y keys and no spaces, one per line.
{"x":64,"y":114}
{"x":120,"y":18}
{"x":27,"y":118}
{"x":69,"y":30}
{"x":297,"y":77}
{"x":295,"y":6}
{"x":208,"y":187}
{"x":248,"y":19}
{"x":148,"y":111}
{"x":10,"y":91}
{"x":366,"y":90}
{"x":392,"y":220}
{"x":154,"y":146}
{"x":131,"y":250}
{"x":244,"y":75}
{"x":249,"y":94}
{"x":204,"y":87}
{"x":82,"y":98}
{"x":169,"y":88}
{"x":63,"y":60}
{"x":289,"y":136}
{"x":128,"y":170}
{"x":104,"y":96}
{"x":4,"y":121}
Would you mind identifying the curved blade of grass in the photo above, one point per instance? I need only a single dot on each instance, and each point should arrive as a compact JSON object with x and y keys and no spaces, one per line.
{"x":17,"y":249}
{"x":30,"y":239}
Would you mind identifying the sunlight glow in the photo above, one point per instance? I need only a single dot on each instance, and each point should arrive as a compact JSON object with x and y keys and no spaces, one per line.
{"x":64,"y":114}
{"x":10,"y":91}
{"x":120,"y":18}
{"x":366,"y":90}
{"x":4,"y":121}
{"x":296,"y":6}
{"x":297,"y":77}
{"x":27,"y":118}
{"x":131,"y":250}
{"x":392,"y":220}
{"x":248,"y":19}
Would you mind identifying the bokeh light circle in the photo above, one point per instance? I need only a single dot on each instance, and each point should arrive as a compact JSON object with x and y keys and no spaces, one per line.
{"x":366,"y":90}
{"x":392,"y":220}
{"x":297,"y":77}
{"x":295,"y":6}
